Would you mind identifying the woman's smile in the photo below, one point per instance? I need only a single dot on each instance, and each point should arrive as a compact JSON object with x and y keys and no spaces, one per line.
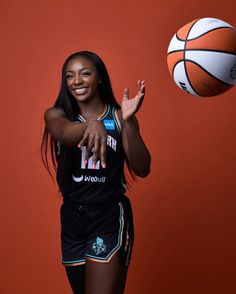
{"x":81,"y":90}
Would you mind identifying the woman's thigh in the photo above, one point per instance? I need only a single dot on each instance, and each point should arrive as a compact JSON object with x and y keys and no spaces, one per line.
{"x":105,"y":278}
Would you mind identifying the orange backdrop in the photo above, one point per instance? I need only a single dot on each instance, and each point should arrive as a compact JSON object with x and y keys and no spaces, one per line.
{"x":184,"y":211}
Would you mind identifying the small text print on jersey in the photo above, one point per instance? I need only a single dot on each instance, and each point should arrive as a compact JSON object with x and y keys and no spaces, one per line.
{"x":85,"y":178}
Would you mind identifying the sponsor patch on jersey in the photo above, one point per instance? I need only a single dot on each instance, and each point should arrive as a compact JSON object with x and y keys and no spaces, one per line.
{"x":109,"y":124}
{"x":89,"y":179}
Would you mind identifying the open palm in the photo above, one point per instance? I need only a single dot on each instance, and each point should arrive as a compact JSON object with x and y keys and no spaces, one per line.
{"x":130,"y":106}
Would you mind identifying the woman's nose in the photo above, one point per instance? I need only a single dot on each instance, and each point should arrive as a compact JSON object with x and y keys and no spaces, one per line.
{"x":78,"y":79}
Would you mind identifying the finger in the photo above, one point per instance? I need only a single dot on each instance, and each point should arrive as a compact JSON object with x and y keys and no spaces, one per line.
{"x":95,"y":152}
{"x":142,"y":87}
{"x":140,"y":94}
{"x":141,"y":84}
{"x":84,"y":140}
{"x":103,"y":149}
{"x":88,"y":150}
{"x":126,"y":94}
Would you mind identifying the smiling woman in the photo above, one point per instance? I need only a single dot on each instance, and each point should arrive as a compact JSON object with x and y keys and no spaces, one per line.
{"x":91,"y":137}
{"x":82,"y":79}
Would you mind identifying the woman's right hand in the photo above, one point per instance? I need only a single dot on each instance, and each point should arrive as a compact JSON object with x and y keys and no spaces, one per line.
{"x":95,"y":140}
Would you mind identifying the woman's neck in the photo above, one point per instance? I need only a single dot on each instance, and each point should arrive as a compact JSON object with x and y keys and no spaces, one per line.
{"x":92,"y":110}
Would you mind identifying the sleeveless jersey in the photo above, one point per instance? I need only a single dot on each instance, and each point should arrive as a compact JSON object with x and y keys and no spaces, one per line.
{"x":88,"y":185}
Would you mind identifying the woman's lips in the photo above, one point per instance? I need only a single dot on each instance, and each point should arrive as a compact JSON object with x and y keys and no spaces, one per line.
{"x":81,"y":91}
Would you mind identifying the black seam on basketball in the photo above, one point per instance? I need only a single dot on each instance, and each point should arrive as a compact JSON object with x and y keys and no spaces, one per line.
{"x":186,"y":75}
{"x":210,"y":32}
{"x":186,"y":72}
{"x":191,"y":61}
{"x":187,"y":33}
{"x":178,"y":38}
{"x":179,"y":50}
{"x":210,"y":50}
{"x":172,"y":74}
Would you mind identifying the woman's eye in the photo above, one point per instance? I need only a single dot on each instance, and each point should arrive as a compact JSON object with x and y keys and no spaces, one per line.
{"x":86,"y":73}
{"x":69,"y":77}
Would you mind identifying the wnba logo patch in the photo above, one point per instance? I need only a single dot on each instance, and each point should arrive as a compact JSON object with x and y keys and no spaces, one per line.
{"x":99,"y":247}
{"x":109,"y":124}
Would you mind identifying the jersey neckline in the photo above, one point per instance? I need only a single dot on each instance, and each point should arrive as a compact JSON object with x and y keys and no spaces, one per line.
{"x":102,"y":116}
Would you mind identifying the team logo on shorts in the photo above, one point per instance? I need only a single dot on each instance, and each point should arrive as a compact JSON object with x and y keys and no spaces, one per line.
{"x":99,"y":247}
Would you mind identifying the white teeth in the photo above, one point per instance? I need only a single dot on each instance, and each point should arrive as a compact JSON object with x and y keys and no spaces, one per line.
{"x":80,"y":91}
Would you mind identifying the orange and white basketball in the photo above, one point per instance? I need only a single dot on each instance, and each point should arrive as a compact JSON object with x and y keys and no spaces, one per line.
{"x":202,"y":57}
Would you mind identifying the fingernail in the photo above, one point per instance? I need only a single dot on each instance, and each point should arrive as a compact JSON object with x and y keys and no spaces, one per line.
{"x":85,"y":162}
{"x":94,"y":165}
{"x":79,"y":146}
{"x":104,"y":165}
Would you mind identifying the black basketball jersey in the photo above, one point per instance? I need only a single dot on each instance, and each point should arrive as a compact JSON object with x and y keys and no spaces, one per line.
{"x":88,"y":185}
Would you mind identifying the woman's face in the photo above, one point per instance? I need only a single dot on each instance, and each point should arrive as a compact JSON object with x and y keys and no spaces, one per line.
{"x":82,"y":79}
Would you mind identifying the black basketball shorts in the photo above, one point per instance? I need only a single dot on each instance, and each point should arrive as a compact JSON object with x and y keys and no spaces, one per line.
{"x":96,"y":233}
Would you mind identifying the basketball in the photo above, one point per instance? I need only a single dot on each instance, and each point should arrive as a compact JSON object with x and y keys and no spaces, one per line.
{"x":201,"y":57}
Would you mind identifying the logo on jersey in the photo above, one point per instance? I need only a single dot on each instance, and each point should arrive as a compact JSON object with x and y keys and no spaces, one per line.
{"x":99,"y":247}
{"x":89,"y":179}
{"x":78,"y":179}
{"x":109,"y":124}
{"x":111,"y":142}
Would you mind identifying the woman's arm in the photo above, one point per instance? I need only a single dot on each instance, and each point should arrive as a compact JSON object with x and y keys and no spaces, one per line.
{"x":92,"y":134}
{"x":136,"y":152}
{"x":62,"y":129}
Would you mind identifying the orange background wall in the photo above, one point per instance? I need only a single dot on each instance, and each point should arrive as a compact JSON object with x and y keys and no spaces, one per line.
{"x":184,"y":211}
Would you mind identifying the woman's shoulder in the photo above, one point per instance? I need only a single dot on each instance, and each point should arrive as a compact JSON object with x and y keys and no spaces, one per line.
{"x":54,"y":112}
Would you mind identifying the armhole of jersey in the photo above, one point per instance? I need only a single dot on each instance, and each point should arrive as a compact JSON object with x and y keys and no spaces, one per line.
{"x":116,"y":119}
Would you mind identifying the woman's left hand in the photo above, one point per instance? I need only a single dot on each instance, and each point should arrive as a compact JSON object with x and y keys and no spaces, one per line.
{"x":130,"y":106}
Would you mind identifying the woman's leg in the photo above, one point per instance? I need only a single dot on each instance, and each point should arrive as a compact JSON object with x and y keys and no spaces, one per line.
{"x":122,"y":283}
{"x":76,"y":277}
{"x":105,"y":278}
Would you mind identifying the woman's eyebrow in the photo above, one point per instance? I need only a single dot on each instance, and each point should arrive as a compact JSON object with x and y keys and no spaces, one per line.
{"x":79,"y":70}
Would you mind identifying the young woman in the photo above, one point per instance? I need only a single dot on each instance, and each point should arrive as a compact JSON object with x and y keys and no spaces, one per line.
{"x":90,"y":137}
